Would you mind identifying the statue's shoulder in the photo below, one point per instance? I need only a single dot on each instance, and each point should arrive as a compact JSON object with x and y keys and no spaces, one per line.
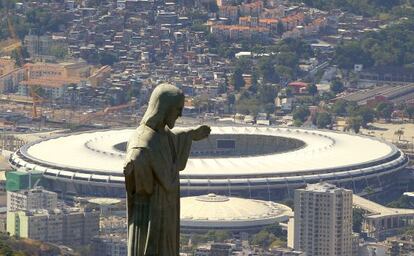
{"x":143,"y":137}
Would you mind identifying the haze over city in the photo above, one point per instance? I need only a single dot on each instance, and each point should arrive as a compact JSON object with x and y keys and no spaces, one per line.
{"x":310,"y":104}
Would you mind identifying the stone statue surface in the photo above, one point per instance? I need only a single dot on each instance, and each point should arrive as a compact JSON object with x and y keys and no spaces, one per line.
{"x":155,"y":155}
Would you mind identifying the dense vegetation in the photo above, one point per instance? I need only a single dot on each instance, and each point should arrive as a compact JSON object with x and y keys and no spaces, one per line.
{"x":274,"y":64}
{"x":362,"y":7}
{"x":37,"y":21}
{"x":10,"y":246}
{"x":392,"y":46}
{"x":271,"y":236}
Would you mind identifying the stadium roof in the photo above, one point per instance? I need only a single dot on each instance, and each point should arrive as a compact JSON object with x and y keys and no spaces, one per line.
{"x":94,"y":152}
{"x":220,"y":211}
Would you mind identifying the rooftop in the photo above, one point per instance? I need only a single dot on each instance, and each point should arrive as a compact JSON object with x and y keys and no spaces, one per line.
{"x":377,"y":210}
{"x":322,"y":187}
{"x":215,"y":209}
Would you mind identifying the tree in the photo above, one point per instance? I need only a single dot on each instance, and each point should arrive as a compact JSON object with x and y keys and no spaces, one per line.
{"x":218,"y":235}
{"x":384,"y":110}
{"x":354,"y":123}
{"x":248,"y":105}
{"x":399,"y":133}
{"x":337,"y":86}
{"x":237,"y":79}
{"x":280,"y":28}
{"x":312,"y":89}
{"x":349,"y":54}
{"x":199,"y":27}
{"x":367,"y":115}
{"x":402,"y":202}
{"x":263,"y":239}
{"x":339,"y":108}
{"x":19,"y":55}
{"x":275,"y":229}
{"x":301,"y":114}
{"x":357,"y":218}
{"x":323,"y":120}
{"x":267,"y":93}
{"x":267,"y":70}
{"x":59,"y":52}
{"x":409,"y":110}
{"x":201,"y":102}
{"x":106,"y":58}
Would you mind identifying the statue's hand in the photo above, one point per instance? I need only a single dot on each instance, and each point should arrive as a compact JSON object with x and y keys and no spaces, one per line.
{"x":201,"y":132}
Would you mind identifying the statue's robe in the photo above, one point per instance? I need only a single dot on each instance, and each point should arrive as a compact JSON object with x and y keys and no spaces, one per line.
{"x":151,"y":171}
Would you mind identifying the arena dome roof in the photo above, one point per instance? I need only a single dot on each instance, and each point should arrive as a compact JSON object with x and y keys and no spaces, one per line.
{"x":215,"y":211}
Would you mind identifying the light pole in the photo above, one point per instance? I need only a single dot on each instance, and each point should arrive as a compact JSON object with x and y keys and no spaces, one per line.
{"x":412,"y":144}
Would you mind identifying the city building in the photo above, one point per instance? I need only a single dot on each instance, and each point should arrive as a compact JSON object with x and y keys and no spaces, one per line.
{"x":6,"y":65}
{"x":400,"y":245}
{"x":38,"y":224}
{"x":79,"y":225}
{"x":113,"y":245}
{"x":10,"y":81}
{"x":323,"y":220}
{"x":53,"y":79}
{"x":44,"y":47}
{"x":380,"y":221}
{"x":62,"y":70}
{"x":221,"y":249}
{"x":235,"y":32}
{"x":215,"y":249}
{"x":3,"y":219}
{"x":71,"y":226}
{"x":33,"y":199}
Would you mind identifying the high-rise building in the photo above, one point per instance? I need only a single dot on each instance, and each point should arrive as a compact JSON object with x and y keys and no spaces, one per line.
{"x":80,"y":226}
{"x":32,"y":199}
{"x":323,"y":220}
{"x":72,"y":226}
{"x":34,"y":214}
{"x":40,"y":225}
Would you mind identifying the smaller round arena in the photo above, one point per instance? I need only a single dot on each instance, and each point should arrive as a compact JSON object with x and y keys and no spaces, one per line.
{"x":215,"y":212}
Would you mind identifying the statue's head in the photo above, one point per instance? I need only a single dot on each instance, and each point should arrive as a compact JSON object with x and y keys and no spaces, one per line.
{"x":165,"y":106}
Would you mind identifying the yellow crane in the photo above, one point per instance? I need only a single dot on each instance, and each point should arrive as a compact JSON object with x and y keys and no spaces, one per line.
{"x":36,"y":100}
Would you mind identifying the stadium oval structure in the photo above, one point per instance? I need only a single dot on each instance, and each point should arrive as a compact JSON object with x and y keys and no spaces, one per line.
{"x":207,"y":212}
{"x":248,"y":161}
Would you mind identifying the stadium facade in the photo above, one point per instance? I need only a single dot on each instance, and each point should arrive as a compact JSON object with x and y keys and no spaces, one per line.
{"x":252,"y":162}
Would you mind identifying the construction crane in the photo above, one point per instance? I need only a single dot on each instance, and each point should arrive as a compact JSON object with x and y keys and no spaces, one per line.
{"x":36,"y":99}
{"x":108,"y":110}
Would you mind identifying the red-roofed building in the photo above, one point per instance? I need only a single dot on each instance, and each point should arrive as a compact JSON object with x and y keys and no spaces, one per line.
{"x":298,"y":87}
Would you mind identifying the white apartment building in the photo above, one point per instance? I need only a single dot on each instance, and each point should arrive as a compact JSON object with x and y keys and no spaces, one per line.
{"x":38,"y":225}
{"x":323,"y":220}
{"x":72,"y":226}
{"x":33,"y":199}
{"x":34,"y":214}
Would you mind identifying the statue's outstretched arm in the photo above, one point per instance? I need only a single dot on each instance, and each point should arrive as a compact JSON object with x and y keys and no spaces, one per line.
{"x":201,"y":132}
